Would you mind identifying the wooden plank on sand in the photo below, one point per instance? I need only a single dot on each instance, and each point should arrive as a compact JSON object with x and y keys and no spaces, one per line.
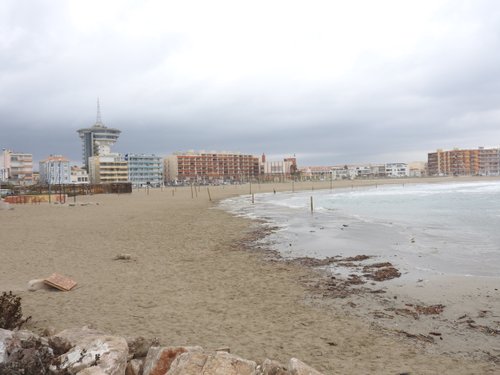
{"x":60,"y":282}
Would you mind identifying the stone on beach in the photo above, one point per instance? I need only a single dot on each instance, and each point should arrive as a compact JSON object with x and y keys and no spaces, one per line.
{"x":108,"y":353}
{"x":270,"y":367}
{"x":188,"y":363}
{"x":135,"y":367}
{"x":5,"y":336}
{"x":159,"y":359}
{"x":228,"y":364}
{"x":297,"y":367}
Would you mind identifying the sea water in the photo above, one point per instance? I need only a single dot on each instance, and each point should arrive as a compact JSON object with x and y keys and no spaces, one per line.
{"x":451,"y":228}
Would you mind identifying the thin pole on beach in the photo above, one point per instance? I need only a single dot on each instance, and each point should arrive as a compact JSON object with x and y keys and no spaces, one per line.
{"x":209,"y":196}
{"x":253,"y":198}
{"x":192,"y":193}
{"x":312,"y":205}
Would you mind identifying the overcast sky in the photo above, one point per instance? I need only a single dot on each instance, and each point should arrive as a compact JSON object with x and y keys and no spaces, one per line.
{"x":333,"y":82}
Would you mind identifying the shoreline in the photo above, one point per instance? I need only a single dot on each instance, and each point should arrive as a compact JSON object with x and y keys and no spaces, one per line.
{"x":189,"y":283}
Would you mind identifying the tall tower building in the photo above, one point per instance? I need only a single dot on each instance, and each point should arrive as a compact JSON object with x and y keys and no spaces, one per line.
{"x":97,"y":140}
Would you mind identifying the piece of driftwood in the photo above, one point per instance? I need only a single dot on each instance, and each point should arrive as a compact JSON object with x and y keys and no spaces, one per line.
{"x":60,"y":282}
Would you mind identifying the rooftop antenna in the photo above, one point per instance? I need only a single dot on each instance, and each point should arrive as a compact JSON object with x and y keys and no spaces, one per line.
{"x":99,"y":120}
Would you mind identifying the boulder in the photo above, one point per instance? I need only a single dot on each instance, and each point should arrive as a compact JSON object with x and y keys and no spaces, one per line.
{"x":270,"y":367}
{"x":92,"y":371}
{"x":188,"y":363}
{"x":138,"y":347}
{"x":5,"y":336}
{"x":297,"y":367}
{"x":108,"y":353}
{"x":228,"y":364}
{"x":160,"y":358}
{"x":65,"y":340}
{"x":134,"y":367}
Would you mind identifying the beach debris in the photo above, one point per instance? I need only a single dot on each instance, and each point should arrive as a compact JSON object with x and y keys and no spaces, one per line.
{"x":37,"y":284}
{"x":355,"y":280}
{"x":418,"y":336}
{"x":428,"y":310}
{"x":382,"y":315}
{"x":123,"y":257}
{"x":381,"y":271}
{"x":484,"y":329}
{"x":60,"y":282}
{"x":226,"y":349}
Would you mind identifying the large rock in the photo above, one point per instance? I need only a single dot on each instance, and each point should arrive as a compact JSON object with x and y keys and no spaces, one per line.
{"x":270,"y":367}
{"x":296,"y":367}
{"x":138,"y":347}
{"x":135,"y":367}
{"x":159,"y":358}
{"x":188,"y":363}
{"x":67,"y":339}
{"x":5,"y":336}
{"x":92,"y":371}
{"x":25,"y":350}
{"x":223,"y":363}
{"x":108,"y":353}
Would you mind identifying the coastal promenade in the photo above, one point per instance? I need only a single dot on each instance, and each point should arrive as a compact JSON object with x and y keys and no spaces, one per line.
{"x":191,"y":280}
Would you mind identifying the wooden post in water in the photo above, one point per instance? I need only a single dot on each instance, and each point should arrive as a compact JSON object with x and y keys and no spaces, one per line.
{"x":209,"y":196}
{"x":312,"y":205}
{"x":253,"y":198}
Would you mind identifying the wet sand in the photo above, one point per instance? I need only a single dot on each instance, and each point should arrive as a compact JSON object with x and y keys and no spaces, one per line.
{"x":192,"y":280}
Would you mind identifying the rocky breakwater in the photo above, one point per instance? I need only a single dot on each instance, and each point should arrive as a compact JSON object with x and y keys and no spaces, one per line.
{"x":86,"y":351}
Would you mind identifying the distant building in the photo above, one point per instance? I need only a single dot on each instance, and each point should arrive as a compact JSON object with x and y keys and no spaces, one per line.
{"x":211,"y":167}
{"x":278,"y":169}
{"x":396,"y":170}
{"x":457,"y":162}
{"x":16,"y":167}
{"x":97,"y":140}
{"x":417,"y":169}
{"x":79,"y":175}
{"x":145,"y":169}
{"x":55,"y":170}
{"x":108,"y":168}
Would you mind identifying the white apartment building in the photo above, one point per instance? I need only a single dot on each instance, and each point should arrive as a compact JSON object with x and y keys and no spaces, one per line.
{"x":145,"y":169}
{"x":55,"y":170}
{"x":397,"y":170}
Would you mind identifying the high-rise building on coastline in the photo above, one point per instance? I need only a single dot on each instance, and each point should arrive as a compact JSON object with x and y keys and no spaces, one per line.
{"x":211,"y":166}
{"x":97,"y":140}
{"x":457,"y":162}
{"x":145,"y":169}
{"x":55,"y":170}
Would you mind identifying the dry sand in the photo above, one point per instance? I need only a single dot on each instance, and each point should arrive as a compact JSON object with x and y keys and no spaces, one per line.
{"x":192,"y":281}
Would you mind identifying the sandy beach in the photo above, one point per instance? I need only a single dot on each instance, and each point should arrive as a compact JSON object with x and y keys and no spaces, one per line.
{"x":192,"y":280}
